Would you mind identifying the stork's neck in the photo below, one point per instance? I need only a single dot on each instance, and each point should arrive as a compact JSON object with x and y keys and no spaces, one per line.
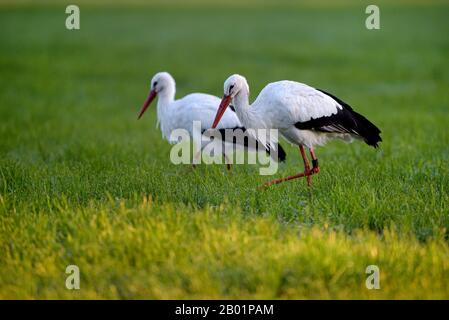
{"x":242,"y":107}
{"x":164,"y":103}
{"x":165,"y":99}
{"x":167,"y":94}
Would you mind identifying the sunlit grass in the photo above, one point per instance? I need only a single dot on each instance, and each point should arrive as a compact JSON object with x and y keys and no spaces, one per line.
{"x":141,"y":249}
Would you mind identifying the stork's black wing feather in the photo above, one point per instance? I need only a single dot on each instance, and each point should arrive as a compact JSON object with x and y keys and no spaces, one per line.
{"x":346,"y":120}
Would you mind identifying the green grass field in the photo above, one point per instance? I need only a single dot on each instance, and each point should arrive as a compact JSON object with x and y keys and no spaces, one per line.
{"x":83,"y":182}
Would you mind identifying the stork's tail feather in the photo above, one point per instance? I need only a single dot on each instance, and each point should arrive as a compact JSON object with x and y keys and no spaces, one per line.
{"x":367,"y":130}
{"x":281,"y":154}
{"x":352,"y":122}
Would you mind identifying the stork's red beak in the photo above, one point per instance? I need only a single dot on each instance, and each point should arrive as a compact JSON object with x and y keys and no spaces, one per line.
{"x":147,"y":102}
{"x":221,"y":109}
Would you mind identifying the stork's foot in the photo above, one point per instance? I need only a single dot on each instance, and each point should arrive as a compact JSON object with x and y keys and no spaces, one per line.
{"x":229,"y":166}
{"x":306,"y":174}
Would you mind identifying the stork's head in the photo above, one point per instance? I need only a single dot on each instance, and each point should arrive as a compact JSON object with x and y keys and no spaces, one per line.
{"x":232,"y":87}
{"x":161,"y":84}
{"x":234,"y":84}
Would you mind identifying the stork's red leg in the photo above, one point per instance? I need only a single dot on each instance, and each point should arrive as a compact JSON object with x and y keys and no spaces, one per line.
{"x":306,"y":165}
{"x":307,"y":172}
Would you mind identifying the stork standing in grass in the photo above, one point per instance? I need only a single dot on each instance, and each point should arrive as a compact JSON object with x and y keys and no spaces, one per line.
{"x":179,"y":114}
{"x":304,"y":116}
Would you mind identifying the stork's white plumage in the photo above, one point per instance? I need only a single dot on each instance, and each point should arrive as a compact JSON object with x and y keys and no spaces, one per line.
{"x":180,"y":114}
{"x":304,"y":116}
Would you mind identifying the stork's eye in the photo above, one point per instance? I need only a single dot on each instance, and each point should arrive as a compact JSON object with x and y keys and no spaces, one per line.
{"x":154,"y":84}
{"x":230,"y":89}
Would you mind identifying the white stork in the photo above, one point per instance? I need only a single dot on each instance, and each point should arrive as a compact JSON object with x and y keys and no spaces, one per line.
{"x":304,"y":116}
{"x":179,"y":114}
